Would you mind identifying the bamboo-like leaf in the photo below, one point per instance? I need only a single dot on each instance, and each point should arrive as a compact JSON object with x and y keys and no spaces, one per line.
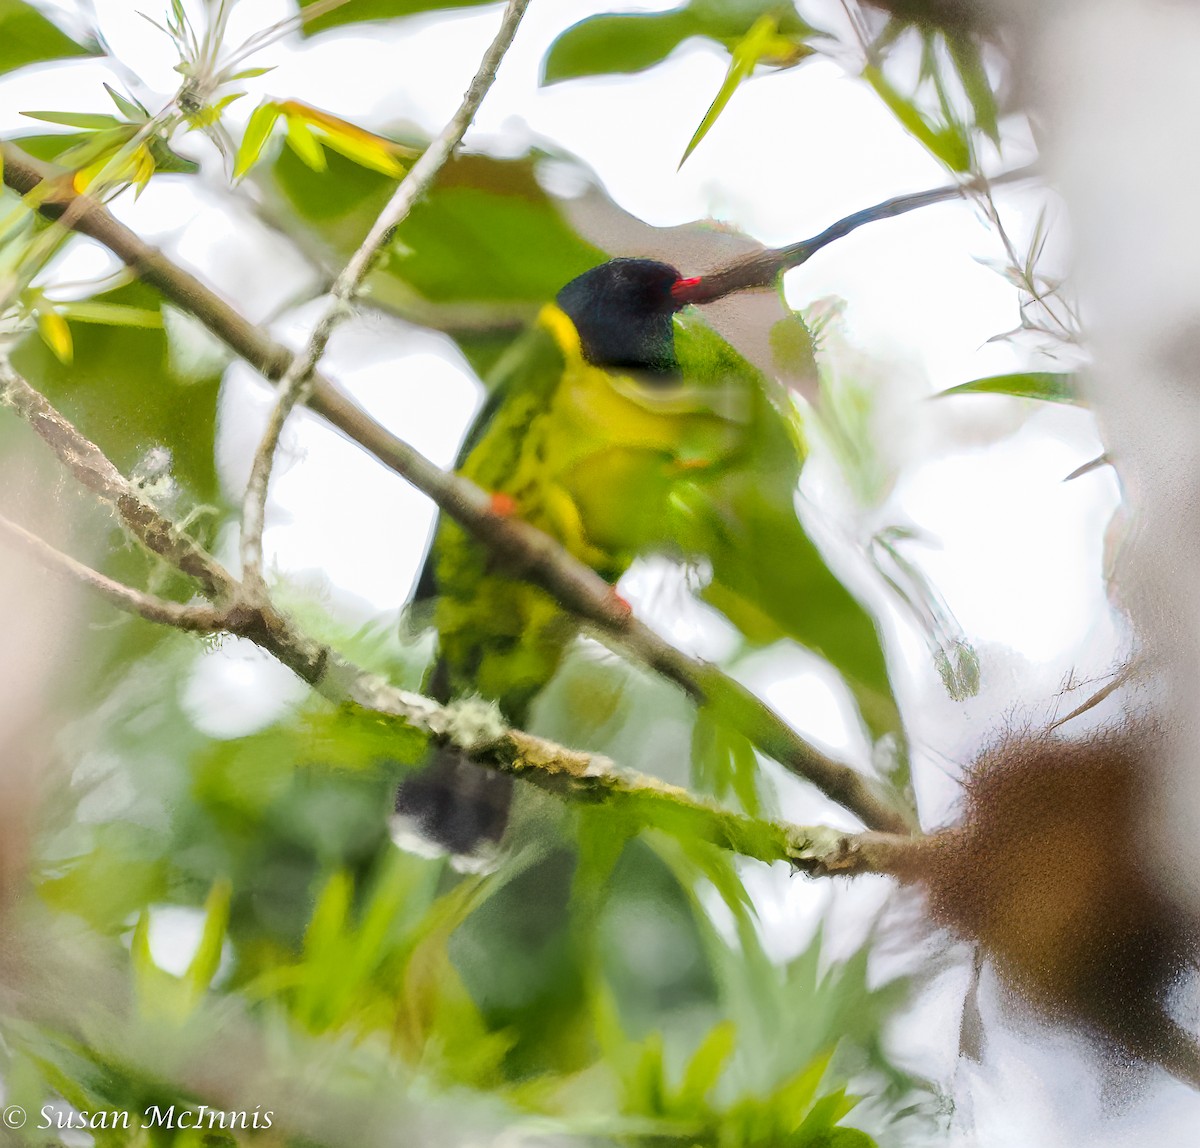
{"x":967,"y":55}
{"x":88,"y":121}
{"x":258,"y":129}
{"x":762,"y":43}
{"x":943,"y":142}
{"x":248,"y":74}
{"x":1048,"y":386}
{"x":302,"y":141}
{"x":130,"y":109}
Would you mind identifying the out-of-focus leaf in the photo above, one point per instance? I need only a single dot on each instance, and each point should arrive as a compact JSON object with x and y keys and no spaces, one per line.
{"x":56,"y":334}
{"x":487,"y":232}
{"x":357,"y":11}
{"x":706,"y":1064}
{"x":763,"y":43}
{"x":207,"y":957}
{"x":27,"y":37}
{"x":768,"y":576}
{"x":724,"y":761}
{"x":967,"y":54}
{"x":631,"y":42}
{"x":302,"y":141}
{"x":87,"y":121}
{"x":258,"y":129}
{"x":624,"y":42}
{"x":121,"y":392}
{"x":132,"y":110}
{"x":942,"y":141}
{"x":1049,"y":386}
{"x":113,"y":314}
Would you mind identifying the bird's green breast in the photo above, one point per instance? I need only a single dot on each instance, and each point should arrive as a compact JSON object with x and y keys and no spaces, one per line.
{"x":589,"y":456}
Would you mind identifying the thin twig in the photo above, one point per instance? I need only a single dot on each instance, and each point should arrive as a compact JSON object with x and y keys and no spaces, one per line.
{"x":526,"y":551}
{"x":181,"y":616}
{"x":298,"y":378}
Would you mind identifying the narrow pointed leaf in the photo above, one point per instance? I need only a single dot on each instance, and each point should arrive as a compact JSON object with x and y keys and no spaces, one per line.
{"x":1049,"y":386}
{"x":258,"y":129}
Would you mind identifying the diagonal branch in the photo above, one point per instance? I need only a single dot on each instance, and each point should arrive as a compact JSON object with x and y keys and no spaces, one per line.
{"x":526,"y":551}
{"x":92,"y":469}
{"x":181,"y":616}
{"x":298,"y":377}
{"x":473,"y":725}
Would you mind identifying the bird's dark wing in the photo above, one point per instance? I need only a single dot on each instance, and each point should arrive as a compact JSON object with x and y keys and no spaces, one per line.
{"x":523,"y":366}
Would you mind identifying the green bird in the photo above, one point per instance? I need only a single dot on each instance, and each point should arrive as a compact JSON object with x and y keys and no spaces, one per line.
{"x":622,"y":425}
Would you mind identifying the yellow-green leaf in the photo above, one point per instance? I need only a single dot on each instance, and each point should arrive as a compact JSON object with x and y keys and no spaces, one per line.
{"x":207,"y":957}
{"x":87,"y":121}
{"x":763,"y":43}
{"x":56,"y":334}
{"x":258,"y":129}
{"x":1049,"y":386}
{"x":113,"y":314}
{"x":302,"y":141}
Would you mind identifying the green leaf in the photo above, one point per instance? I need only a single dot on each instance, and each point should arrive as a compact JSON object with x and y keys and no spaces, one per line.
{"x":1049,"y":386}
{"x":944,"y":141}
{"x":249,"y":74}
{"x":302,"y":141}
{"x":88,"y":121}
{"x":763,"y":42}
{"x":27,"y":37}
{"x":967,"y":54}
{"x":632,"y":42}
{"x":131,"y":109}
{"x":486,"y":233}
{"x":207,"y":957}
{"x":357,"y":11}
{"x":705,"y":1066}
{"x":617,"y":43}
{"x":258,"y":129}
{"x":122,"y":394}
{"x":114,"y":314}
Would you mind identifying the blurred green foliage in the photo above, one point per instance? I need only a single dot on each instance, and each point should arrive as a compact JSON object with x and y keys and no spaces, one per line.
{"x":28,"y":37}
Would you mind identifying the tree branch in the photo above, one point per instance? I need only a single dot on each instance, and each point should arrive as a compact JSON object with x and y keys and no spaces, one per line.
{"x":526,"y":551}
{"x":181,"y":616}
{"x":92,"y":469}
{"x":473,"y":725}
{"x":298,"y":377}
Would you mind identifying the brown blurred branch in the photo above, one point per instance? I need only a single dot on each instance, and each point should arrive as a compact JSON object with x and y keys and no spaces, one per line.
{"x":527,"y":552}
{"x":298,"y":377}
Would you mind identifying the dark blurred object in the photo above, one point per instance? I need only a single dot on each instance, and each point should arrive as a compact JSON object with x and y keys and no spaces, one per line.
{"x":455,"y":803}
{"x":1048,"y":873}
{"x":944,"y":15}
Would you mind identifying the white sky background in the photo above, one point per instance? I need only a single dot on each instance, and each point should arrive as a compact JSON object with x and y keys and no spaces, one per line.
{"x":1015,"y":552}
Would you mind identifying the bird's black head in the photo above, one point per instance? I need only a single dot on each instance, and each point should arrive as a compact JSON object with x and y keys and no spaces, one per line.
{"x":622,"y":311}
